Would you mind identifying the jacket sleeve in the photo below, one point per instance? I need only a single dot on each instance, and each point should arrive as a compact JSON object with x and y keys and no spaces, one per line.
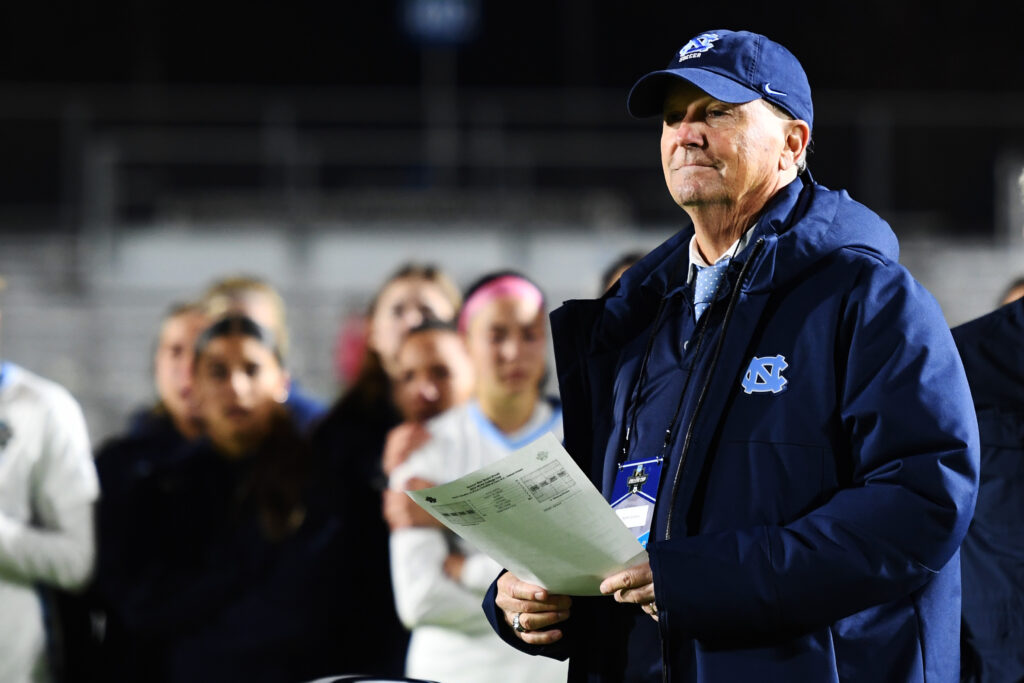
{"x":911,"y":435}
{"x":557,"y":650}
{"x":58,"y":548}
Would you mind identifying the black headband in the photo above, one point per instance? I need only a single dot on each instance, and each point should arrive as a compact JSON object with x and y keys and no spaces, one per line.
{"x":234,"y":325}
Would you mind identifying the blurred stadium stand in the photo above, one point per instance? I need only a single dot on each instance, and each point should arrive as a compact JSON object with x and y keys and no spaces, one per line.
{"x":123,"y":155}
{"x":116,"y":200}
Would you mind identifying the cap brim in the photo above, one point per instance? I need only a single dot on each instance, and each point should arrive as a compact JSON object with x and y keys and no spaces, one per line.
{"x":647,"y":98}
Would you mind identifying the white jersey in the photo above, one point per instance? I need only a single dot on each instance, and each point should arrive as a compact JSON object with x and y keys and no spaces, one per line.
{"x":48,"y":487}
{"x":451,"y":639}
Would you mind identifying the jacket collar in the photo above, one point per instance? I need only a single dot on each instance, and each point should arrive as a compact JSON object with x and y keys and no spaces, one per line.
{"x":633,"y":302}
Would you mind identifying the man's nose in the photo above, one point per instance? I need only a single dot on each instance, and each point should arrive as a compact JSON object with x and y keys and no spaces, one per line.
{"x":689,"y":133}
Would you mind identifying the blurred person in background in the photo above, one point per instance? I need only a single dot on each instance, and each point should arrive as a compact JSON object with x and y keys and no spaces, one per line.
{"x":159,"y":429}
{"x":95,"y":644}
{"x":434,"y":373}
{"x":349,"y":348}
{"x":257,"y":299}
{"x":231,"y":571}
{"x":439,"y":579}
{"x":617,"y":267}
{"x":172,"y":373}
{"x":349,"y":443}
{"x":1015,"y":290}
{"x":992,"y":554}
{"x":48,"y":487}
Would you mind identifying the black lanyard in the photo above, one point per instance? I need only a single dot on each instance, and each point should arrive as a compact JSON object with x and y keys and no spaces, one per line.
{"x":634,"y":399}
{"x":641,"y":381}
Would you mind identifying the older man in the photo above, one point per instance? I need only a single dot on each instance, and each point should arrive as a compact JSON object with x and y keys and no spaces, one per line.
{"x":793,"y":399}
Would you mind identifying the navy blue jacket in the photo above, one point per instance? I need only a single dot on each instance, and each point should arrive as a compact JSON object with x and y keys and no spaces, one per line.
{"x":205,"y":595}
{"x":992,"y":349}
{"x":807,"y":530}
{"x":111,"y":652}
{"x":349,"y":443}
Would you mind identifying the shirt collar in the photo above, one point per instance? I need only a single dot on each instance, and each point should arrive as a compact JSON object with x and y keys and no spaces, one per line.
{"x":697,"y":260}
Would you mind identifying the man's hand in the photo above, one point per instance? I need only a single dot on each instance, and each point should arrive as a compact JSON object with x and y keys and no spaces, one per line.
{"x":534,"y":606}
{"x":635,"y":585}
{"x":401,"y":442}
{"x":400,"y":511}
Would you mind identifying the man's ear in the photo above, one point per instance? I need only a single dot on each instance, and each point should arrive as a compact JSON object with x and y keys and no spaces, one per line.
{"x":798,"y":136}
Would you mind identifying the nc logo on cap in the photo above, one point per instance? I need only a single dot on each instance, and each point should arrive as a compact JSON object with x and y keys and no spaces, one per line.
{"x":698,"y":45}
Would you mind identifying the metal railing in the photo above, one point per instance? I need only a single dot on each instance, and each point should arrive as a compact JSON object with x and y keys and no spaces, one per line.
{"x":130,"y":153}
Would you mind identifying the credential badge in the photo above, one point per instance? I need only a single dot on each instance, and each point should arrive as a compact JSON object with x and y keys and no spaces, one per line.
{"x":765,"y":374}
{"x":698,"y":45}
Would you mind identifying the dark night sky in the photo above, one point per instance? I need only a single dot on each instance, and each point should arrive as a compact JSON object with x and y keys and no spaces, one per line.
{"x":869,"y":44}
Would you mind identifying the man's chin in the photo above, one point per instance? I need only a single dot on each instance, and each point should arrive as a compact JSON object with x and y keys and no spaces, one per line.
{"x":696,"y":200}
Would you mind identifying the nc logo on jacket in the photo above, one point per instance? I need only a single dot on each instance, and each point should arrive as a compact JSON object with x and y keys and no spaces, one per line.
{"x":765,"y":374}
{"x":698,"y":45}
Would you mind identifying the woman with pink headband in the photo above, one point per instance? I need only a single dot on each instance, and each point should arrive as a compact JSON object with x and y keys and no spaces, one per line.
{"x":440,"y":580}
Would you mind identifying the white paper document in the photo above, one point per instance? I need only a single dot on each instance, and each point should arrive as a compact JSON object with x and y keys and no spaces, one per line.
{"x":538,"y":515}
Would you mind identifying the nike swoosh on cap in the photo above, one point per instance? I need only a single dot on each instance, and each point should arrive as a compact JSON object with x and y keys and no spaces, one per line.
{"x":769,"y":91}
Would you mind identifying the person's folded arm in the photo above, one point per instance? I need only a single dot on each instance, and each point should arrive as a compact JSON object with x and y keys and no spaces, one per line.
{"x":424,"y":594}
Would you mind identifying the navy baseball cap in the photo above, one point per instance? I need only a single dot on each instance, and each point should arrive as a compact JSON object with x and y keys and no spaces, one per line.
{"x":731,"y":66}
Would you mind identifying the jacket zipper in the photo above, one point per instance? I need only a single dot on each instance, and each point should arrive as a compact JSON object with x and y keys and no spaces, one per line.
{"x":733,"y":298}
{"x":707,"y":383}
